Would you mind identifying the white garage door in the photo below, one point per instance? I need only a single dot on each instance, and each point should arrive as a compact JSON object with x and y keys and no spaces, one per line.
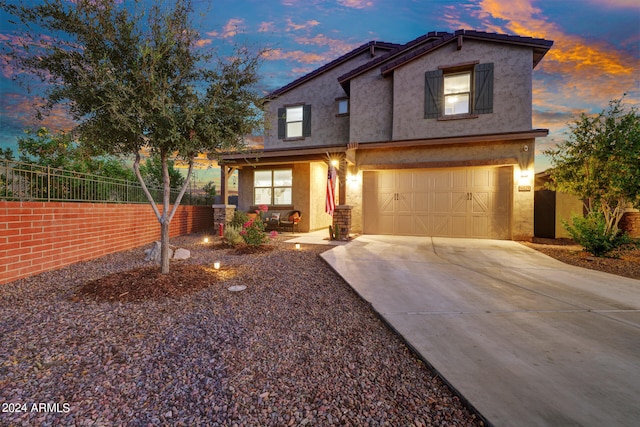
{"x":457,"y":202}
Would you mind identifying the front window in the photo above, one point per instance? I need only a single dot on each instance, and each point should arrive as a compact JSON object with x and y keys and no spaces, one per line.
{"x":273,"y":187}
{"x":457,"y":93}
{"x":294,"y":121}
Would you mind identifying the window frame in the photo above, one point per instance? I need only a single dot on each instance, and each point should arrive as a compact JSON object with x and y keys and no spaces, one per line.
{"x":469,"y":93}
{"x":293,"y":122}
{"x":338,"y":102}
{"x":273,"y":187}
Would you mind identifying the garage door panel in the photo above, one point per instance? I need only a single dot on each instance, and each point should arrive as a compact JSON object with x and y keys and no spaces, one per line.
{"x":386,"y":202}
{"x":480,"y":226}
{"x":459,"y":202}
{"x":403,"y":203}
{"x":385,"y":224}
{"x":441,"y":225}
{"x":481,"y":202}
{"x":421,"y":203}
{"x":421,"y":225}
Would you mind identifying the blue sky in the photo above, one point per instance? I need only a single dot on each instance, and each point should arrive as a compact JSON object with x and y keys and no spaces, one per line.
{"x":595,"y":58}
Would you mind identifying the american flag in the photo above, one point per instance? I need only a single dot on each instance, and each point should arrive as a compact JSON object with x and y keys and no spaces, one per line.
{"x":330,"y":205}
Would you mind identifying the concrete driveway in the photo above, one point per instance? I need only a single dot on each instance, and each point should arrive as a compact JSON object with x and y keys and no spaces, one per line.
{"x":527,"y":340}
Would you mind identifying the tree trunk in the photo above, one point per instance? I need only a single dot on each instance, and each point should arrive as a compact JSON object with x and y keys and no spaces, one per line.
{"x":166,"y":219}
{"x":164,"y":242}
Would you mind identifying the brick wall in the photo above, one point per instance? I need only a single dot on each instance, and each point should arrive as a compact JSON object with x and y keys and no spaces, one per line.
{"x":38,"y":236}
{"x":631,"y":224}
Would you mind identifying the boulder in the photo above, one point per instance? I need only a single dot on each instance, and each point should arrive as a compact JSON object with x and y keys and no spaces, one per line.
{"x":181,"y":253}
{"x":154,"y":253}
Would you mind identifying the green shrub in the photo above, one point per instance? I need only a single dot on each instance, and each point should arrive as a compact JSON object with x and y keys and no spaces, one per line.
{"x":591,"y":233}
{"x":232,"y":234}
{"x":239,"y":218}
{"x":253,"y":232}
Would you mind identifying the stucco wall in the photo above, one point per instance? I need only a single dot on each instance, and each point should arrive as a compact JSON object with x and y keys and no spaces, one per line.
{"x":512,"y":93}
{"x":321,"y":94}
{"x":371,"y":107}
{"x":496,"y":152}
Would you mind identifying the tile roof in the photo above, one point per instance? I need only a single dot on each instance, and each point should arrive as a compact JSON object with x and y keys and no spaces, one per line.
{"x":400,"y":54}
{"x":355,"y":52}
{"x":540,"y":46}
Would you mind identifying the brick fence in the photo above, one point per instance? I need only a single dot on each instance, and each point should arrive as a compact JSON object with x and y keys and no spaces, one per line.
{"x":38,"y":236}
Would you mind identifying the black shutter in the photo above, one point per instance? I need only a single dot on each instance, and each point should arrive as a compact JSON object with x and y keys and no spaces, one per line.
{"x":433,"y":94}
{"x":282,"y":123}
{"x":483,"y":99}
{"x":306,"y":120}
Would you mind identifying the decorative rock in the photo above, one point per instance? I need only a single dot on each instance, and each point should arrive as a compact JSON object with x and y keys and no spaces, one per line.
{"x":237,"y":288}
{"x":181,"y":254}
{"x":153,"y":253}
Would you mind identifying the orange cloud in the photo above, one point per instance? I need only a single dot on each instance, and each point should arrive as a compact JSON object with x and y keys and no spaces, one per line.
{"x":590,"y":71}
{"x":230,"y":29}
{"x":296,"y":55}
{"x":292,"y":26}
{"x":203,"y":42}
{"x":21,"y":109}
{"x":266,"y":27}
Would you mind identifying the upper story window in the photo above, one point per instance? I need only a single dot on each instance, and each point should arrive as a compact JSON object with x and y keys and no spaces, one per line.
{"x":459,"y":91}
{"x":294,"y":121}
{"x":342,"y":105}
{"x":272,"y":187}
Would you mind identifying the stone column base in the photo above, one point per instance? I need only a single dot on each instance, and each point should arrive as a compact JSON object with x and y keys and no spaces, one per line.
{"x":342,"y":220}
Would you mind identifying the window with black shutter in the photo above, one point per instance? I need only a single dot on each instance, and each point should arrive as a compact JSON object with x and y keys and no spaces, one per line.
{"x":294,"y":122}
{"x":459,"y":91}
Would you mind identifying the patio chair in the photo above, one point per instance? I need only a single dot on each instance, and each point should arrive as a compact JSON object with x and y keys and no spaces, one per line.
{"x":290,"y":220}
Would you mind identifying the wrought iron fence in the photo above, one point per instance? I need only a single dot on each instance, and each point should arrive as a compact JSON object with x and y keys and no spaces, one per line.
{"x":28,"y":182}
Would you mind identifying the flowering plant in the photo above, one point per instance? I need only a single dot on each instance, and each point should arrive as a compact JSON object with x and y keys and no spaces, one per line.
{"x":253,"y":230}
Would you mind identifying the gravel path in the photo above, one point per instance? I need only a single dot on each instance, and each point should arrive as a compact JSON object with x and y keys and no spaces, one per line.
{"x":297,"y":347}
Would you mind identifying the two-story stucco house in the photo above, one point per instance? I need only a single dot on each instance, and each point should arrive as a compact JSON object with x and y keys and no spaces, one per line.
{"x":433,"y":138}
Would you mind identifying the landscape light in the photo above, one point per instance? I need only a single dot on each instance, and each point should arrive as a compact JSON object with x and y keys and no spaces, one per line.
{"x":216,"y":265}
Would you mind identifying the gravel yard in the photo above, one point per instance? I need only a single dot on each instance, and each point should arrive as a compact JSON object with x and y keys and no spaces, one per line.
{"x":297,"y":347}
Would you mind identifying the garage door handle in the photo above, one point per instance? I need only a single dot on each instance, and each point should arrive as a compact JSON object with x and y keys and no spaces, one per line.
{"x":469,"y":196}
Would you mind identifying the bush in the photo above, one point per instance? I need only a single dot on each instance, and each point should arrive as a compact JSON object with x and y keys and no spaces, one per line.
{"x":232,"y":234}
{"x":253,"y":232}
{"x":239,"y":219}
{"x":591,"y":233}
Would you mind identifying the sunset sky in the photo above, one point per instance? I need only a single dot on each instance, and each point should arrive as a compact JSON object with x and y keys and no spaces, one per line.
{"x":595,"y":57}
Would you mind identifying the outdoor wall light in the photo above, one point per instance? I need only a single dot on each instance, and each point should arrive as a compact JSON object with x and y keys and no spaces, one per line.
{"x":524,"y":173}
{"x":335,"y":163}
{"x":216,"y":265}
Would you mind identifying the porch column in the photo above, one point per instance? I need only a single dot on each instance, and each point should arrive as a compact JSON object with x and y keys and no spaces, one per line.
{"x":225,"y":173}
{"x":224,"y":185}
{"x":342,"y":182}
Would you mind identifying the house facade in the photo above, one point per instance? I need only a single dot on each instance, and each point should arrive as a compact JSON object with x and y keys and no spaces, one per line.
{"x":431,"y":138}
